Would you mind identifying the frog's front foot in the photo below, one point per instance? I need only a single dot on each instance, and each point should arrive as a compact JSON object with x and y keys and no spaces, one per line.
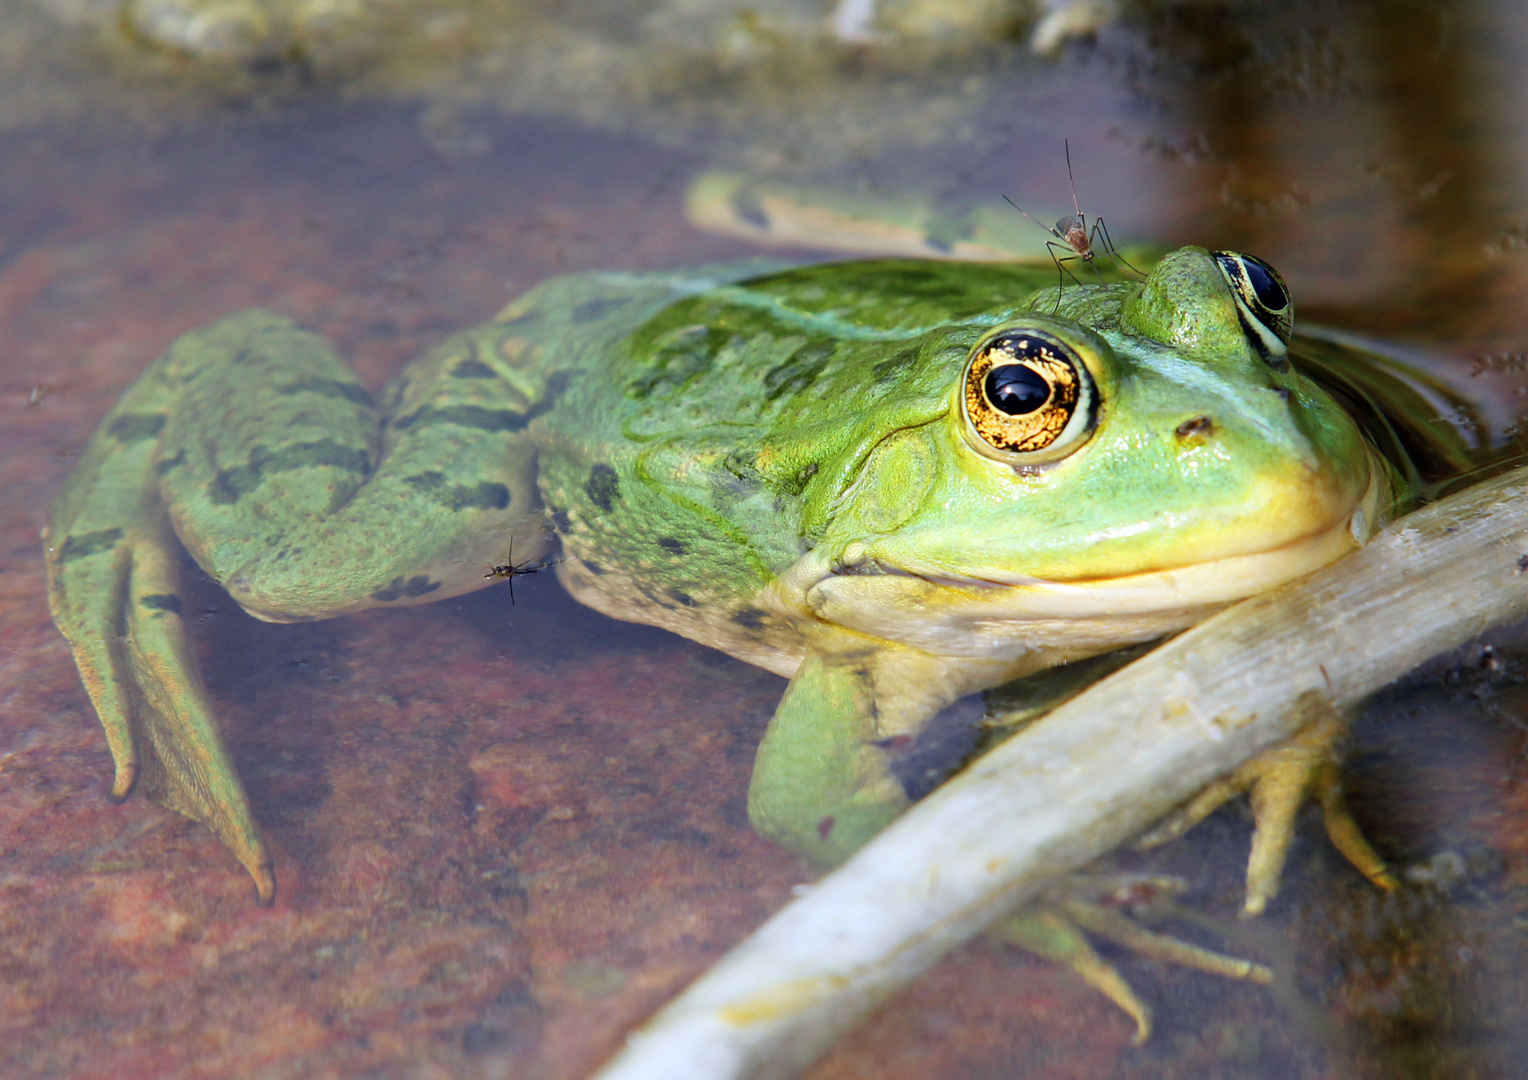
{"x":1280,"y":781}
{"x":1057,"y":928}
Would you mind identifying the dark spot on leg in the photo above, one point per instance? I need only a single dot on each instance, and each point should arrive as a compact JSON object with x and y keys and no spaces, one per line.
{"x":164,"y":466}
{"x":594,"y":568}
{"x":894,"y":742}
{"x":653,"y":599}
{"x":603,"y":487}
{"x":561,"y":521}
{"x":467,"y":416}
{"x":472,"y":369}
{"x":556,"y":386}
{"x":825,"y":827}
{"x":590,"y":310}
{"x":91,"y":543}
{"x":349,"y":391}
{"x":427,"y":482}
{"x":418,"y":585}
{"x":672,"y":546}
{"x":161,"y":602}
{"x":135,"y":427}
{"x":751,"y":618}
{"x":231,"y":485}
{"x":683,"y":597}
{"x":484,"y":495}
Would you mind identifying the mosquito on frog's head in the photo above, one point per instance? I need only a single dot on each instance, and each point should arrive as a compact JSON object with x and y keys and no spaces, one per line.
{"x":1076,"y":237}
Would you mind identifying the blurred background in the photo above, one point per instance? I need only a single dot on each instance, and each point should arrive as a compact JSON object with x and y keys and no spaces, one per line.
{"x":505,"y":834}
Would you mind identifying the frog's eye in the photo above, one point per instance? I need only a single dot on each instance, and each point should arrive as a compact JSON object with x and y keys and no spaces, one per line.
{"x":1028,"y":396}
{"x":1262,"y":303}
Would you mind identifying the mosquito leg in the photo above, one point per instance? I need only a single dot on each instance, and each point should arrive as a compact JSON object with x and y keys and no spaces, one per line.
{"x":1100,"y":228}
{"x":1054,"y":247}
{"x":1060,"y":276}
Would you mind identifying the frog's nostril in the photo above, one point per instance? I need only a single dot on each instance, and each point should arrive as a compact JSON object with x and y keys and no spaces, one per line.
{"x":1196,"y":427}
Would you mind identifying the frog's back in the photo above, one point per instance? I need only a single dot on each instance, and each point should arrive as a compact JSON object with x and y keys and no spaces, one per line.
{"x":696,"y":444}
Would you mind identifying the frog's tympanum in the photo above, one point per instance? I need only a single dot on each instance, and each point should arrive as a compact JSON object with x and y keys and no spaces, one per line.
{"x":895,"y":483}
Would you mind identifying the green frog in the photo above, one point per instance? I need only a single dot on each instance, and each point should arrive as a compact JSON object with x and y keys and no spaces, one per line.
{"x":894,"y":482}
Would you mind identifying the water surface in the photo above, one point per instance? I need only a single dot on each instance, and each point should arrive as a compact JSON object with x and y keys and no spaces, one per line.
{"x":505,"y":833}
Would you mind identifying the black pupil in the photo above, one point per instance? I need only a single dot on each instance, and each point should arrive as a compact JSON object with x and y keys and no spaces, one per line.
{"x":1265,"y":285}
{"x":1016,"y":389}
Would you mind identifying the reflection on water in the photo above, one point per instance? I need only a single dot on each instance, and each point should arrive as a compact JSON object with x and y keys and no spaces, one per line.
{"x":507,"y":833}
{"x":1367,"y":146}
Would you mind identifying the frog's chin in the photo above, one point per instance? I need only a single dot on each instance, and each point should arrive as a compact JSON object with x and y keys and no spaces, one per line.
{"x":992,"y":613}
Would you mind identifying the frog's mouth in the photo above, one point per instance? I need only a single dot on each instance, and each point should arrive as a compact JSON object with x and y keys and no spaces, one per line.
{"x":991,"y":611}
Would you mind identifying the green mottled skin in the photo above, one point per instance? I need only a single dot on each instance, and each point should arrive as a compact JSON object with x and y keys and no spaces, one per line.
{"x":776,"y":467}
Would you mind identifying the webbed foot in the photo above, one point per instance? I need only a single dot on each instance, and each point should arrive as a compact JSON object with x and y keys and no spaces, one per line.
{"x":1057,"y":929}
{"x":1280,"y":781}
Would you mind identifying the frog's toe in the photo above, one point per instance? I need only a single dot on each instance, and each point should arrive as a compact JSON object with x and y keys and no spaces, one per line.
{"x":1345,"y":834}
{"x":1122,"y":930}
{"x":1048,"y":933}
{"x":124,"y":778}
{"x":1191,"y":813}
{"x":1280,"y":781}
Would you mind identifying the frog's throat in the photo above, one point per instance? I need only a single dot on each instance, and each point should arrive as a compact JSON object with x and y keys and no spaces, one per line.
{"x":993,"y":614}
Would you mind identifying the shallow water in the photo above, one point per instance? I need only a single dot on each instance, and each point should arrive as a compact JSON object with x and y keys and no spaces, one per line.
{"x":505,"y":833}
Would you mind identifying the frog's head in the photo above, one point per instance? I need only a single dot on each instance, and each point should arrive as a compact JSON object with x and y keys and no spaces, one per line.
{"x":1146,"y":452}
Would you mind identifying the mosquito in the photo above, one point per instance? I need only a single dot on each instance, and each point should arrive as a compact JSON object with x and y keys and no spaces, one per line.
{"x":511,"y":570}
{"x":1075,"y":237}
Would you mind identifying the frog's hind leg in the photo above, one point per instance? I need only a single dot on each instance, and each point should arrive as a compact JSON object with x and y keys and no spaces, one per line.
{"x":252,"y":441}
{"x":1280,"y":781}
{"x":114,"y":588}
{"x":791,"y":215}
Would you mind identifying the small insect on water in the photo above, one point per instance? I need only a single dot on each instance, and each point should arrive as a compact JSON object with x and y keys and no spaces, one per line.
{"x":512,"y":569}
{"x":1074,"y":235}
